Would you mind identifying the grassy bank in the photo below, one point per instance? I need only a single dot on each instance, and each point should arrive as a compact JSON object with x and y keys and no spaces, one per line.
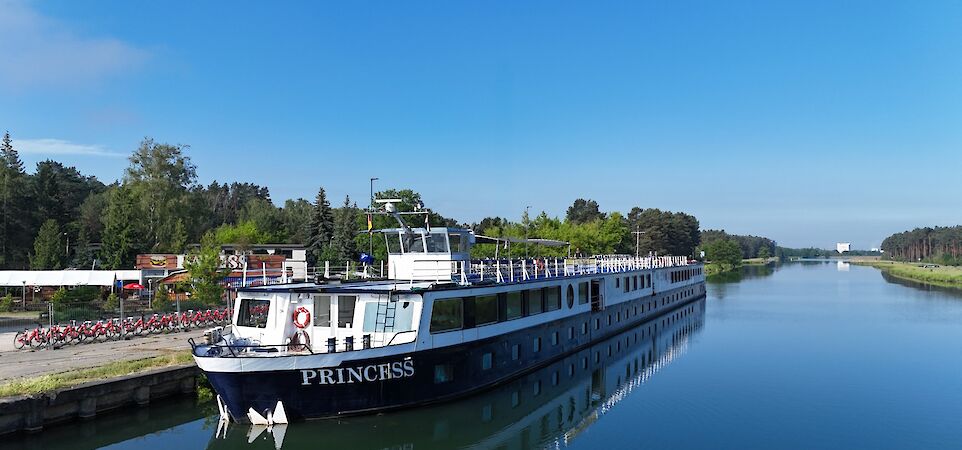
{"x":47,"y":383}
{"x":716,"y":268}
{"x":948,"y":276}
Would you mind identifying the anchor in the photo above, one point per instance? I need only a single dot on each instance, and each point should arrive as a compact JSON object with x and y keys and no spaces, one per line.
{"x":275,"y":423}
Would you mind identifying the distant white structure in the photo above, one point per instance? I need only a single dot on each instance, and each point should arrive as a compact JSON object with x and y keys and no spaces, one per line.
{"x":843,"y":247}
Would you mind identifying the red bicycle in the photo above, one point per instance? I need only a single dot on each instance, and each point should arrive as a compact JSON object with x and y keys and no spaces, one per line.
{"x":97,"y":332}
{"x":33,"y":338}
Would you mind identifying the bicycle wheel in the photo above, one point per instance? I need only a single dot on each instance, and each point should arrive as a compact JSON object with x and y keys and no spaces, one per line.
{"x":19,"y":341}
{"x":36,"y":341}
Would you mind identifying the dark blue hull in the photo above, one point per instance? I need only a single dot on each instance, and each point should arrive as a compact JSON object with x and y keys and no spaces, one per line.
{"x":431,"y":376}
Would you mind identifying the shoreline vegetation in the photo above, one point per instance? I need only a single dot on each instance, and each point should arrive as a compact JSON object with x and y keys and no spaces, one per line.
{"x":52,"y":382}
{"x":945,"y":276}
{"x":715,"y":268}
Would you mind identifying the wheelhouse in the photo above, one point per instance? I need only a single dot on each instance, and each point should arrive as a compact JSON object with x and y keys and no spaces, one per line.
{"x":426,"y":254}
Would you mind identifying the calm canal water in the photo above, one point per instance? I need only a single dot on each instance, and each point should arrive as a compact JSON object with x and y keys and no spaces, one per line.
{"x":803,"y":355}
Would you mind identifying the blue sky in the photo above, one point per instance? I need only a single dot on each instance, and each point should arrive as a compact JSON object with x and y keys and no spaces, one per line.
{"x":807,"y":122}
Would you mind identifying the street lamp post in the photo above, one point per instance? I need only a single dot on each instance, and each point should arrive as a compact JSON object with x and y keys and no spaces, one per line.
{"x":527,"y":220}
{"x":370,"y":209}
{"x":637,"y":240}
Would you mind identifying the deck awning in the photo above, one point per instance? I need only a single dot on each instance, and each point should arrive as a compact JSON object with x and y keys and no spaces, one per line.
{"x":544,"y":242}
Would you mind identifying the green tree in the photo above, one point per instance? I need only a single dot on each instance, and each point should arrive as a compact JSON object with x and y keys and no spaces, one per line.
{"x":764,"y":253}
{"x":178,"y":240}
{"x":15,"y":232}
{"x":47,"y":247}
{"x":265,"y":216}
{"x":91,"y":214}
{"x":584,"y":211}
{"x":120,"y":230}
{"x":83,"y":253}
{"x":112,"y":303}
{"x":725,"y":252}
{"x":321,"y":230}
{"x":59,"y":191}
{"x":345,"y":229}
{"x":205,"y":272}
{"x":296,"y":216}
{"x":160,"y":177}
{"x":242,"y":235}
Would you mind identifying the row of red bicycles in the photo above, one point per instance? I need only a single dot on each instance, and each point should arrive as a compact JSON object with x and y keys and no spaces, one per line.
{"x":114,"y":329}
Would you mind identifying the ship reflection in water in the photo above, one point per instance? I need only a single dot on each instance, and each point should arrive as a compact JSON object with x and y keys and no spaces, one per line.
{"x":546,"y":408}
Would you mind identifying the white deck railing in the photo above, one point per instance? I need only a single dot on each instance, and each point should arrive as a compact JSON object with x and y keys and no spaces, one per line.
{"x":514,"y":270}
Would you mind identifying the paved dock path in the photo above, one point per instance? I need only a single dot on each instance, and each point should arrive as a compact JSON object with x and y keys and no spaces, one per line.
{"x":26,"y":363}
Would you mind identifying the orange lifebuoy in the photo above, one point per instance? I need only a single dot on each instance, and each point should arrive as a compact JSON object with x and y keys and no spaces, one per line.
{"x":299,"y":313}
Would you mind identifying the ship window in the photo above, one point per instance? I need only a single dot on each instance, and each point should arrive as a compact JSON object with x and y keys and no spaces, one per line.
{"x":393,"y":243}
{"x":571,"y":333}
{"x":515,"y":352}
{"x":554,"y":338}
{"x":627,"y":285}
{"x":322,"y":310}
{"x":345,"y":310}
{"x":437,"y":243}
{"x":634,"y":281}
{"x":617,"y":282}
{"x":486,"y":361}
{"x":485,"y":309}
{"x":455,"y":240}
{"x":513,"y":305}
{"x":447,"y":315}
{"x":443,"y":373}
{"x":582,"y":293}
{"x":536,"y":390}
{"x":253,"y":313}
{"x":571,"y":296}
{"x":584,"y":328}
{"x":552,"y":298}
{"x":535,"y":305}
{"x":413,"y":243}
{"x":536,"y":347}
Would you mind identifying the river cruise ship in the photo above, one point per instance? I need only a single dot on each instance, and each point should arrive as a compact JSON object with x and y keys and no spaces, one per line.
{"x":438,"y":327}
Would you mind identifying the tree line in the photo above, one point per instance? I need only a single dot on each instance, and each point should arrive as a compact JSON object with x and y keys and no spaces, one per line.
{"x":933,"y":244}
{"x":57,"y":217}
{"x":592,"y":232}
{"x":750,"y":246}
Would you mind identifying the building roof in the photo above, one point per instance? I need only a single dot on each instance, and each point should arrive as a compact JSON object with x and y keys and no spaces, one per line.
{"x":65,"y":277}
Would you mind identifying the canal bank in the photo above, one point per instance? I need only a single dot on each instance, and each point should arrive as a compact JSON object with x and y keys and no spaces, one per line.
{"x":34,"y":412}
{"x":945,"y":276}
{"x":39,"y":388}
